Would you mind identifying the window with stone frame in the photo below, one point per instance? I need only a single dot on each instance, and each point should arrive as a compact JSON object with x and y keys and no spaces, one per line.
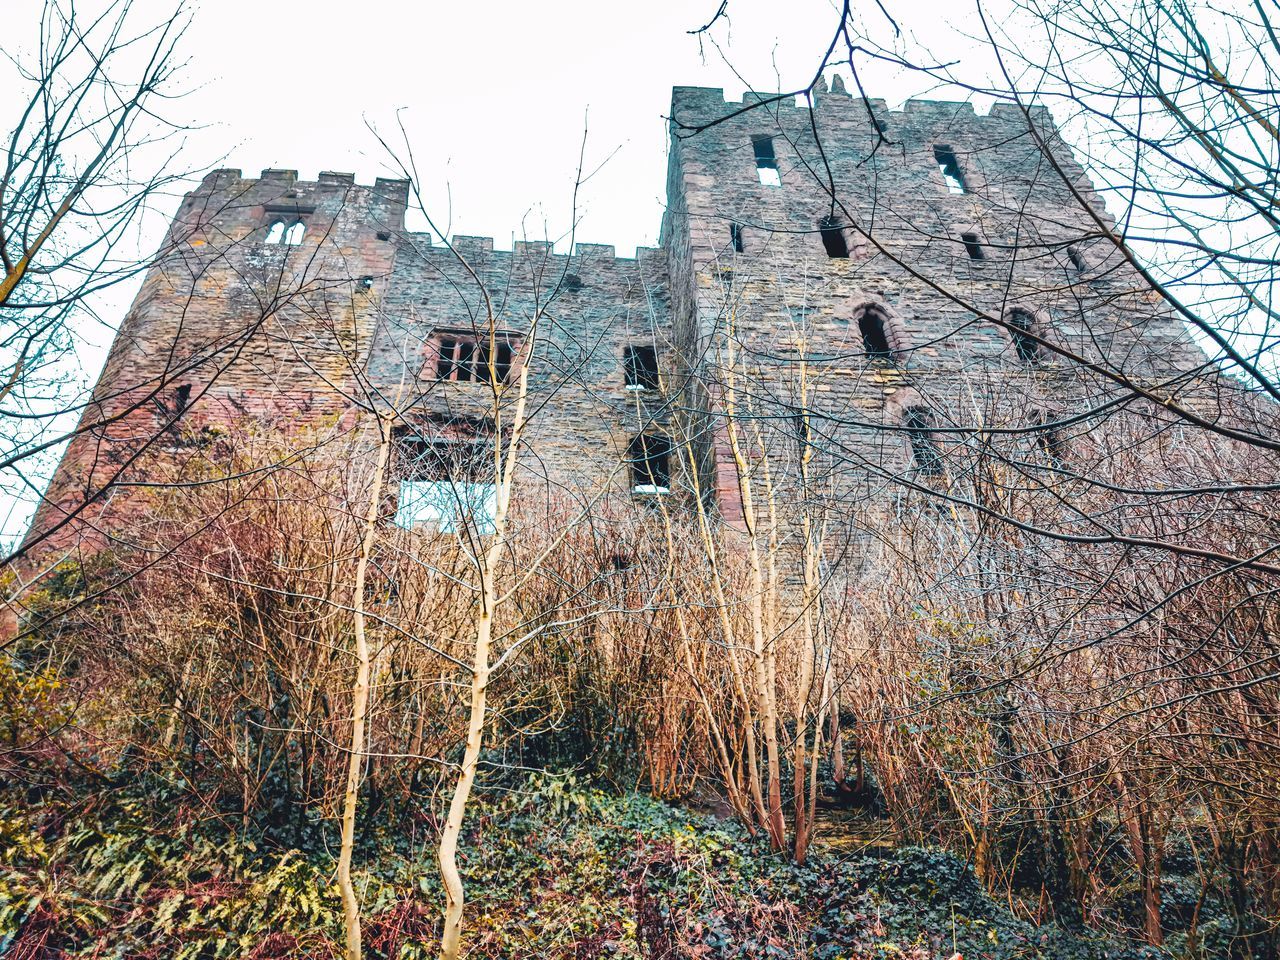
{"x":873,"y":325}
{"x":286,"y":224}
{"x":445,"y":477}
{"x":465,"y":357}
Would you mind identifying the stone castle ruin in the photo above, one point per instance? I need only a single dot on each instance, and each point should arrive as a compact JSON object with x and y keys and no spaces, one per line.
{"x":818,"y":268}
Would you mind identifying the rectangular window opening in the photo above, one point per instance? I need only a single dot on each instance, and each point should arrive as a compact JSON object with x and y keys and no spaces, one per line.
{"x":924,"y":449}
{"x":833,"y":238}
{"x":444,"y":364}
{"x":464,"y":367}
{"x":973,"y":245}
{"x":650,"y":458}
{"x":640,"y":366}
{"x":735,"y":235}
{"x":950,"y":169}
{"x":502,"y":366}
{"x":182,"y":397}
{"x":766,"y":161}
{"x":467,"y":360}
{"x":444,"y":484}
{"x":875,"y":339}
{"x":1077,"y":260}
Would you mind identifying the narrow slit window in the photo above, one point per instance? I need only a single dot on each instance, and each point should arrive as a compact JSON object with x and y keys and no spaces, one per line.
{"x":640,"y":364}
{"x":736,"y":237}
{"x":875,"y":339}
{"x":924,"y":449}
{"x":766,"y":161}
{"x":949,"y":166}
{"x":973,"y":246}
{"x":833,"y":238}
{"x":1021,"y":326}
{"x":650,"y":458}
{"x":293,"y":236}
{"x":1077,"y":261}
{"x":275,"y":232}
{"x":446,"y":354}
{"x":465,"y":366}
{"x":502,"y":365}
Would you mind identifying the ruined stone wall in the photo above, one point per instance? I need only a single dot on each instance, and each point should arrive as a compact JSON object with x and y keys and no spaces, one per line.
{"x":228,"y":327}
{"x":782,"y":300}
{"x":589,"y":307}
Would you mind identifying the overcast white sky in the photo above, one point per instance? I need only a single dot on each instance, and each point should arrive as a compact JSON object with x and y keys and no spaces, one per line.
{"x":495,"y":96}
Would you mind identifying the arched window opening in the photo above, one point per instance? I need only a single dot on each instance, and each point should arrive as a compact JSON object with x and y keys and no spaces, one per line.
{"x":275,"y":232}
{"x":924,"y":449}
{"x":1077,"y":261}
{"x":1021,"y":325}
{"x":293,"y":236}
{"x":875,"y":338}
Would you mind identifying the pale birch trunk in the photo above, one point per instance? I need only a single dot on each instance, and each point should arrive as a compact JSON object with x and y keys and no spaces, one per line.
{"x":359,"y":702}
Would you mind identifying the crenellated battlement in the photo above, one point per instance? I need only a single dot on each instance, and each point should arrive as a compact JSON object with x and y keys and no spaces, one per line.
{"x":710,"y":102}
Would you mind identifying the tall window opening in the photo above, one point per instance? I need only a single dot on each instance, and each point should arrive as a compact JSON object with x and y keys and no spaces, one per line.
{"x":766,"y":161}
{"x":875,"y":338}
{"x":650,"y":457}
{"x":182,"y":398}
{"x":445,"y":484}
{"x":833,"y":238}
{"x":736,"y":238}
{"x":1021,"y":325}
{"x":973,"y":246}
{"x":924,"y":448}
{"x":952,"y":175}
{"x":275,"y":232}
{"x":293,"y":236}
{"x":1077,"y":261}
{"x":640,"y":364}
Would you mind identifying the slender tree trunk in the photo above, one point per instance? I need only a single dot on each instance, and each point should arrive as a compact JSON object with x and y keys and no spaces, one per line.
{"x":455,"y":897}
{"x":359,"y":703}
